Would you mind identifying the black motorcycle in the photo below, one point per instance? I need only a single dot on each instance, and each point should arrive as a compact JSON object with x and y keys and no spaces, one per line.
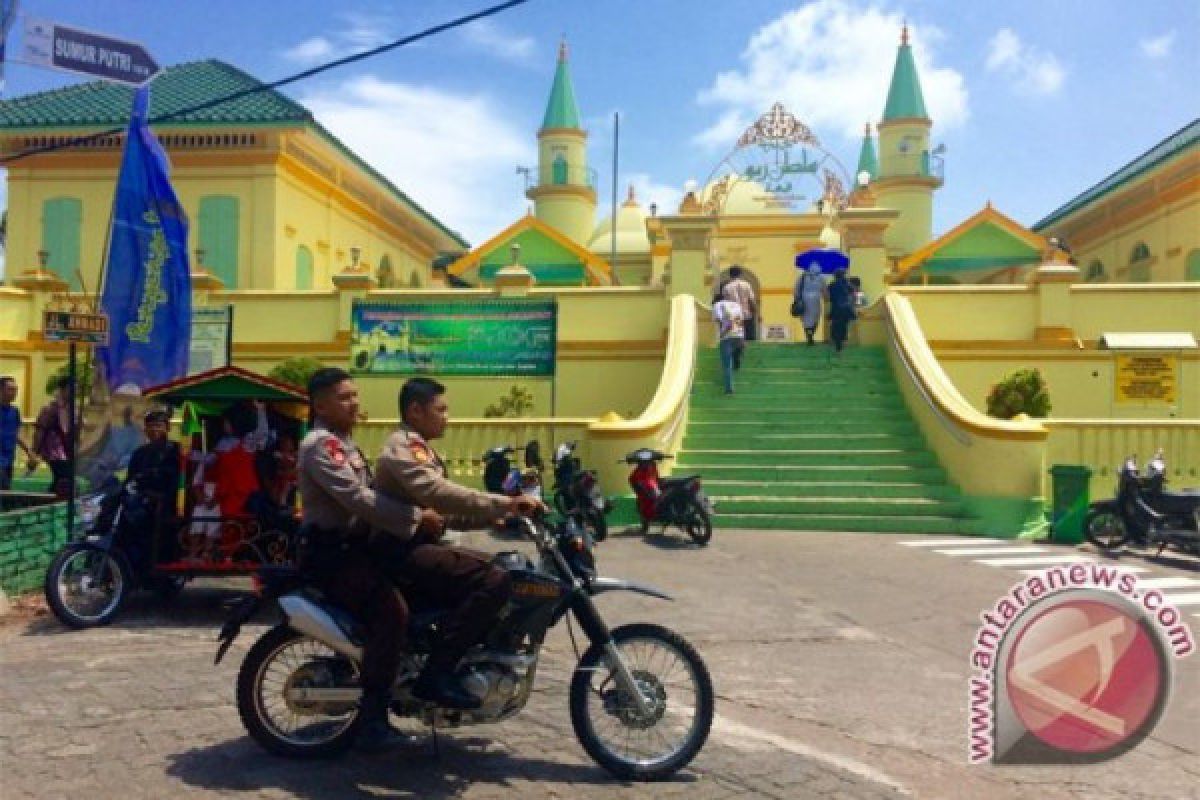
{"x":641,"y":700}
{"x":577,"y":494}
{"x":501,"y":476}
{"x":1144,"y":513}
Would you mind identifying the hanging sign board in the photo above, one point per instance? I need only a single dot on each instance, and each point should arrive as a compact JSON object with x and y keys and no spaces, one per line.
{"x":1147,"y":378}
{"x":75,"y":326}
{"x":492,"y":337}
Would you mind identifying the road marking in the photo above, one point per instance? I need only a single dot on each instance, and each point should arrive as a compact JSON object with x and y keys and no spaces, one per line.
{"x":1192,"y":599}
{"x":728,"y":728}
{"x":1169,"y":583}
{"x":1028,"y":561}
{"x":965,"y":541}
{"x":993,"y":551}
{"x":1117,"y":567}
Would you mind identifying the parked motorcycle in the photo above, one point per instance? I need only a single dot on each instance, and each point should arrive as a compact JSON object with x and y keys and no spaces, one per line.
{"x":501,"y":476}
{"x":298,"y":687}
{"x":1144,"y":513}
{"x":577,"y":494}
{"x":678,"y":502}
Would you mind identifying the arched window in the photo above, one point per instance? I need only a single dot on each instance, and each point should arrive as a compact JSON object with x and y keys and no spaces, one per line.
{"x":304,"y":268}
{"x":414,"y":282}
{"x":385,"y":276}
{"x":1192,"y":266}
{"x":62,"y":218}
{"x":219,"y":237}
{"x":560,"y":170}
{"x":1140,"y":253}
{"x":1095,"y":272}
{"x":1139,"y":263}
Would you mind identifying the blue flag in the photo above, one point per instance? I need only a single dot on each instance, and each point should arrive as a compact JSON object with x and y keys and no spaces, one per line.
{"x":147,"y":283}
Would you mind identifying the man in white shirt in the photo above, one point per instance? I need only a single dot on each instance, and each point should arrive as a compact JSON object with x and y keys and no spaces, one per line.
{"x":740,"y":291}
{"x":731,"y":328}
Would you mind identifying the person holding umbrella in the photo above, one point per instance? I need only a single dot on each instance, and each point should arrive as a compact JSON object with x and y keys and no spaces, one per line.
{"x":808,"y":296}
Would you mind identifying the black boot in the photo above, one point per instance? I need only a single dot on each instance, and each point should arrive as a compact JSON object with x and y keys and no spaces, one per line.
{"x":375,"y":733}
{"x":809,"y":334}
{"x":442,"y":687}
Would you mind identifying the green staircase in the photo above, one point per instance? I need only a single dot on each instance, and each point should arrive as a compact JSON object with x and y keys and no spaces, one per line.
{"x":810,"y":441}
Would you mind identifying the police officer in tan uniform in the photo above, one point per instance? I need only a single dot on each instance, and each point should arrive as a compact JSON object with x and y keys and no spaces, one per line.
{"x":454,"y":577}
{"x":340,"y":508}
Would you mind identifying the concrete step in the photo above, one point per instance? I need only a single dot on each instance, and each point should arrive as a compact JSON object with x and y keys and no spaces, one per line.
{"x":725,"y":410}
{"x":828,"y":457}
{"x":833,"y":406}
{"x":788,"y":440}
{"x":841,"y":506}
{"x":854,"y":523}
{"x":727,"y":488}
{"x":825,"y":473}
{"x":800,"y":423}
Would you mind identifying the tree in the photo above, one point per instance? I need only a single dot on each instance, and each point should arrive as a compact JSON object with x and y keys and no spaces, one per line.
{"x":1022,"y":392}
{"x":83,"y":376}
{"x":516,"y":403}
{"x":295,"y":371}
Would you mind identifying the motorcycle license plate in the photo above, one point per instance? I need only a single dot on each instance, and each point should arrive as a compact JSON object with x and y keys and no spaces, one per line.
{"x":599,"y":503}
{"x":708,"y":503}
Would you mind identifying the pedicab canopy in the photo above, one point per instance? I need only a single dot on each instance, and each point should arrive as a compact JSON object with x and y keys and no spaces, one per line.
{"x":209,"y":393}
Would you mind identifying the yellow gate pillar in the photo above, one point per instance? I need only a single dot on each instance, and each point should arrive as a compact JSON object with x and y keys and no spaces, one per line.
{"x":687,"y":271}
{"x":862,"y":231}
{"x":1052,"y":282}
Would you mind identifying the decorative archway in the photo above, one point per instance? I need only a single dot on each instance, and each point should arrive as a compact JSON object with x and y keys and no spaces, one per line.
{"x":780,"y":154}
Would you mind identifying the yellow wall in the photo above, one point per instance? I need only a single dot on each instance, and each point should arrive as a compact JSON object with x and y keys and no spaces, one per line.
{"x":1160,"y":208}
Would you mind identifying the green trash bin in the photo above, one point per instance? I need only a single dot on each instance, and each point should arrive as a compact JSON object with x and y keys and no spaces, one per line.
{"x":1070,"y":488}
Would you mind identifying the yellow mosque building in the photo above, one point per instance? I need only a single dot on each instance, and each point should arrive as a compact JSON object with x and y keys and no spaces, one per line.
{"x":296,"y":232}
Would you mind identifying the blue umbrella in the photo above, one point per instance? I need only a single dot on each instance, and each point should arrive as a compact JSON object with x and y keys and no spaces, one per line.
{"x":829,"y":260}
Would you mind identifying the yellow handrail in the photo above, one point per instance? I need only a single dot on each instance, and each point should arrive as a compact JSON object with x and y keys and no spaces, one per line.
{"x":937,"y":387}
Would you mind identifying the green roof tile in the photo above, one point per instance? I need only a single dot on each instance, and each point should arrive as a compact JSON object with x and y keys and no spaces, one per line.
{"x":100,"y":103}
{"x":867,"y":160}
{"x":561,"y":110}
{"x":904,"y":99}
{"x":1178,"y":142}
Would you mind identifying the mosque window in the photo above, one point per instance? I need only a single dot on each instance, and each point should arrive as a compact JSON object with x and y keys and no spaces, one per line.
{"x":560,"y":170}
{"x":62,"y":218}
{"x":1095,"y":272}
{"x":219,"y":237}
{"x":385,"y":276}
{"x":304,"y":268}
{"x":1139,"y":263}
{"x":1140,"y":253}
{"x":1193,"y":266}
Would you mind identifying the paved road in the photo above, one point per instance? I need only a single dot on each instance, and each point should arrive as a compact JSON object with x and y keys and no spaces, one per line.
{"x":840,"y":663}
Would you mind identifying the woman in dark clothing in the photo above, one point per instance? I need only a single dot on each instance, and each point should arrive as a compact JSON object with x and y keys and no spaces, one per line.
{"x":841,"y":308}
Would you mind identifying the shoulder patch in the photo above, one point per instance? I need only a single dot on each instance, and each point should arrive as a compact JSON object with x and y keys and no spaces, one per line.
{"x":337,"y":453}
{"x":420,"y":452}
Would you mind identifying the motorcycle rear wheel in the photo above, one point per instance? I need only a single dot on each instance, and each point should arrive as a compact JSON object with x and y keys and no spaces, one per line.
{"x":698,"y":525}
{"x":597,"y":705}
{"x":280,"y":660}
{"x":1106,"y":529}
{"x":86,"y":585}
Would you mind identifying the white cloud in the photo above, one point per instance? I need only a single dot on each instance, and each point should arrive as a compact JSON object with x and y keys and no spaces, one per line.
{"x":318,"y":48}
{"x":453,"y":154}
{"x":358,"y":32}
{"x":829,"y":62}
{"x":1159,"y":46}
{"x":1035,"y":71}
{"x":492,"y":39}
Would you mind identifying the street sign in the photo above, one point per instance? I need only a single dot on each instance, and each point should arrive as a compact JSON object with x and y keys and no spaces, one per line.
{"x":75,"y":326}
{"x":51,"y":44}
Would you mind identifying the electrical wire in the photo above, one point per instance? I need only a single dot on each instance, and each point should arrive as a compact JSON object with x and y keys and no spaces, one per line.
{"x":299,"y":76}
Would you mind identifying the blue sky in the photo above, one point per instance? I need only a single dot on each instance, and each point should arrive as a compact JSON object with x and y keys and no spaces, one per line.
{"x":1035,"y":101}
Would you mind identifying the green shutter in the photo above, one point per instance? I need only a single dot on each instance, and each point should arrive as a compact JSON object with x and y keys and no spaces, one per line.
{"x":304,"y":268}
{"x":1193,"y":266}
{"x":61,"y":221}
{"x":219,"y":237}
{"x":560,"y":170}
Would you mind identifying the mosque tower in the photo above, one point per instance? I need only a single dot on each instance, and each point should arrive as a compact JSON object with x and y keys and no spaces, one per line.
{"x":868,"y":162}
{"x":906,"y":179}
{"x":565,"y":194}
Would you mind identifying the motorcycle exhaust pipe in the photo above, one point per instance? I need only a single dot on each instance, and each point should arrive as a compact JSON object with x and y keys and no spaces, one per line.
{"x":305,"y":616}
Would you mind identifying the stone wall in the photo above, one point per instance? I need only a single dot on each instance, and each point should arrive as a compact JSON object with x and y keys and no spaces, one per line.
{"x":31,"y":533}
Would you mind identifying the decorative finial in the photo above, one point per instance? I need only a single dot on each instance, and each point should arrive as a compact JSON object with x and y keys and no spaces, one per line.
{"x":631,"y":198}
{"x":904,"y":34}
{"x":562,"y":49}
{"x":867,"y":129}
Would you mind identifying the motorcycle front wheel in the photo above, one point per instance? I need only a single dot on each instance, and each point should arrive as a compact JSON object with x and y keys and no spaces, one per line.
{"x":599,"y":525}
{"x":86,"y":585}
{"x":674,"y":680}
{"x":271,"y":700}
{"x":1105,"y":528}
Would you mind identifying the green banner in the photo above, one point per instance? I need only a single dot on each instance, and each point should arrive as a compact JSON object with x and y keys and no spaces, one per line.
{"x":485,"y":337}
